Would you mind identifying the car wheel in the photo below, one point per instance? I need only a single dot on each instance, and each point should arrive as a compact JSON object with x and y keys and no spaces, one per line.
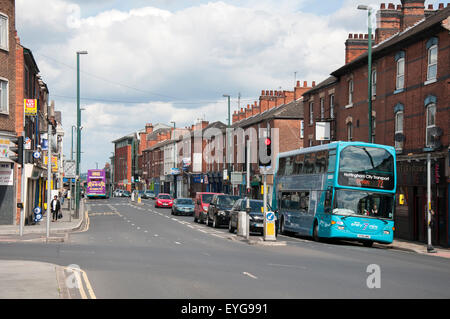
{"x":215,"y":224}
{"x":206,"y":219}
{"x":230,"y":228}
{"x":195,"y":219}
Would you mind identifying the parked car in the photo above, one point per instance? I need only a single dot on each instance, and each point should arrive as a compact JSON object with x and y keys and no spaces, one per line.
{"x":183,"y":206}
{"x":164,"y":200}
{"x":219,"y":210}
{"x":143,"y":195}
{"x":126,"y":194}
{"x":202,"y":200}
{"x":150,"y":195}
{"x":256,"y":215}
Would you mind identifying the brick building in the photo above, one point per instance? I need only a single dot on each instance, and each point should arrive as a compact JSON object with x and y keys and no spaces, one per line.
{"x":278,"y":112}
{"x":410,"y":106}
{"x":8,"y":198}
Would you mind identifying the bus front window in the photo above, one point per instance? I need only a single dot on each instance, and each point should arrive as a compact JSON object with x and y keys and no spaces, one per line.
{"x":356,"y":203}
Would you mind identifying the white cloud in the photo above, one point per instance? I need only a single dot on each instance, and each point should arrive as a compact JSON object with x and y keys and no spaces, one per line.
{"x":195,"y":53}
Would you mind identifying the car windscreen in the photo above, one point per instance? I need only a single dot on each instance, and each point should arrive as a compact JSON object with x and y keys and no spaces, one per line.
{"x":255,"y":206}
{"x":164,"y":197}
{"x":185,"y":202}
{"x":207,"y":198}
{"x":226,"y":201}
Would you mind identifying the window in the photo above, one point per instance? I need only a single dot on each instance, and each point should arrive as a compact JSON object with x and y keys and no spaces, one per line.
{"x":349,"y":131}
{"x":350,"y":92}
{"x":295,"y":201}
{"x":431,"y":122}
{"x":400,"y":83}
{"x":374,"y":83}
{"x":4,"y":107}
{"x":398,"y":128}
{"x":432,"y":63}
{"x":322,"y":108}
{"x":3,"y":32}
{"x":374,"y":126}
{"x":311,"y":112}
{"x":298,"y":164}
{"x":332,"y":106}
{"x":302,"y":129}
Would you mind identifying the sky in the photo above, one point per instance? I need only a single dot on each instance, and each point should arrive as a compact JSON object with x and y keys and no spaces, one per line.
{"x":172,"y":60}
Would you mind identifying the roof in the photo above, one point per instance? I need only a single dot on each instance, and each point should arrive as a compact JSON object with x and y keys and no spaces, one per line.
{"x":329,"y":81}
{"x":131,"y":135}
{"x":291,"y":110}
{"x":399,"y":40}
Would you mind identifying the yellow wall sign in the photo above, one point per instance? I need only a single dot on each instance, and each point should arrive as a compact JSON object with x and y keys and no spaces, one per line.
{"x":30,"y":107}
{"x":54,"y":163}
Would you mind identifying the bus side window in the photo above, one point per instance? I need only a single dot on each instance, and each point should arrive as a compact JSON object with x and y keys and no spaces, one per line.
{"x":282,"y":166}
{"x":298,"y":164}
{"x":304,"y":201}
{"x":331,"y":161}
{"x":289,"y":168}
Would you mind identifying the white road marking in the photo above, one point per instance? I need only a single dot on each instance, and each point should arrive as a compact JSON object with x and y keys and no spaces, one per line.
{"x":250,"y":275}
{"x":177,"y":243}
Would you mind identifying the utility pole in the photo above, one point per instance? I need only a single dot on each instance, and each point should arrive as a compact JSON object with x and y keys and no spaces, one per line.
{"x":430,"y":248}
{"x":49,"y":171}
{"x":229,"y":142}
{"x":77,"y":191}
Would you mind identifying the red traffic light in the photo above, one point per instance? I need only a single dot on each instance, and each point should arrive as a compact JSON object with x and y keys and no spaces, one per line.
{"x":267,"y":141}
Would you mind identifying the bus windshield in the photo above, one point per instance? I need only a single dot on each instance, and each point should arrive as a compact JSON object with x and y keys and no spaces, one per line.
{"x":366,"y":167}
{"x":356,"y":203}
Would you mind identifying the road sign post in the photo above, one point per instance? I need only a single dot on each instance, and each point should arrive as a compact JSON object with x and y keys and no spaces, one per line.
{"x":269,"y":217}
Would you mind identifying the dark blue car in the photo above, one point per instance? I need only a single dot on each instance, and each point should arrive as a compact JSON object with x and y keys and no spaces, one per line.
{"x":183,"y":206}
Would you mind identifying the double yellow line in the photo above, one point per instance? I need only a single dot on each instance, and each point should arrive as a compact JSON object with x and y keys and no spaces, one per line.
{"x":89,"y":293}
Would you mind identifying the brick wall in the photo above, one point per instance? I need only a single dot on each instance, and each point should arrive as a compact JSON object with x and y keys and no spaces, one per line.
{"x":8,"y":65}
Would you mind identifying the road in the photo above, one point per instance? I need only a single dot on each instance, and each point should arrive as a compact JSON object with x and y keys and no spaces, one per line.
{"x":134,"y":251}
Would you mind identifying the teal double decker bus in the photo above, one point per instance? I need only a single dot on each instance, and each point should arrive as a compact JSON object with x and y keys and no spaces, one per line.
{"x":343,"y":190}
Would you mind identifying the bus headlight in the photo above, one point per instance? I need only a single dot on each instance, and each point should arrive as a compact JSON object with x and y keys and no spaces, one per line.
{"x":341,"y":227}
{"x":386,"y":232}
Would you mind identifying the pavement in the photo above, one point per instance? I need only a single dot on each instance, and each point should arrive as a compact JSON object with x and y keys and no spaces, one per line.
{"x":417,"y":247}
{"x":31,"y":232}
{"x":39,"y":280}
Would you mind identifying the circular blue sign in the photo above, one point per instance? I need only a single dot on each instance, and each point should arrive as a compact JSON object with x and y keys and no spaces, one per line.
{"x":37,"y":210}
{"x":270,"y":216}
{"x":36,"y":155}
{"x":38,"y":217}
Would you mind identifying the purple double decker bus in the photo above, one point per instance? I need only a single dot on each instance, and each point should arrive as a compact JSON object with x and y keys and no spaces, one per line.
{"x":96,"y":183}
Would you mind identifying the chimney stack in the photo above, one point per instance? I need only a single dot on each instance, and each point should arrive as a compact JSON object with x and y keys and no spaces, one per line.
{"x":413,"y":11}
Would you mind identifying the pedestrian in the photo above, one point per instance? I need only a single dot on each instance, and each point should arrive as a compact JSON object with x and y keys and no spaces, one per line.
{"x":374,"y":210}
{"x":55,"y":206}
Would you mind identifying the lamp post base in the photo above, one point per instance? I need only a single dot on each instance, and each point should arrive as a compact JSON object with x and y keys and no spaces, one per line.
{"x":431,"y":250}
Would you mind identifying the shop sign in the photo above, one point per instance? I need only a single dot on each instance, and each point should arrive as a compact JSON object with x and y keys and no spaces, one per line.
{"x":30,"y":107}
{"x":6,"y":175}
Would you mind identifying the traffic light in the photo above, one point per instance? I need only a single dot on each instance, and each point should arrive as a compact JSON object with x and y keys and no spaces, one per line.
{"x":265,"y":158}
{"x":17,"y":150}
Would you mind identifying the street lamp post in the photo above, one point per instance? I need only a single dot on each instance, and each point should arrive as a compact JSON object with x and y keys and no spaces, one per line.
{"x":369,"y":62}
{"x":77,"y":191}
{"x":228,"y":143}
{"x":174,"y":162}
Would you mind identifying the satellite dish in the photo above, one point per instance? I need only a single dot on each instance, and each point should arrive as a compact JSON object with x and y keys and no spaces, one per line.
{"x":435,"y":132}
{"x":399,"y":137}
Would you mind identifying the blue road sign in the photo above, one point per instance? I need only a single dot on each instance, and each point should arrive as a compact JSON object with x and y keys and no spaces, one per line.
{"x":270,"y":216}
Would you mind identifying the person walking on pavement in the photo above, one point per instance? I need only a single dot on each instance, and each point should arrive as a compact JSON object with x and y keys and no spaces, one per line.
{"x":55,"y":207}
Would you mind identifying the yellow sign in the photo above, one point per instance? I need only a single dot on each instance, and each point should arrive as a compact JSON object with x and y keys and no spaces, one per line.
{"x":270,"y":229}
{"x":30,"y":107}
{"x":54,"y":163}
{"x":401,"y":199}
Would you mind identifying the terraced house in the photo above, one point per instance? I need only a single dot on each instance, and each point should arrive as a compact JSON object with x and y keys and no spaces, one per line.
{"x":410,"y":107}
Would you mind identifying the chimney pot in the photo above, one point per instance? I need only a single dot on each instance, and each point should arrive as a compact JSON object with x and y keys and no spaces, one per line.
{"x":267,"y":92}
{"x":430,"y":7}
{"x":298,"y":84}
{"x":350,"y":36}
{"x":366,"y":36}
{"x":262,"y":92}
{"x":313,"y":83}
{"x":305,"y":84}
{"x":441,"y":6}
{"x":271,"y":92}
{"x":391,"y":6}
{"x":383,"y":6}
{"x":399,"y":7}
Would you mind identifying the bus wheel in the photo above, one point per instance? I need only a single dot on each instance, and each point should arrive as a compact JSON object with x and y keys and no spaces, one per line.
{"x":368,"y":243}
{"x":282,"y":230}
{"x":316,"y":232}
